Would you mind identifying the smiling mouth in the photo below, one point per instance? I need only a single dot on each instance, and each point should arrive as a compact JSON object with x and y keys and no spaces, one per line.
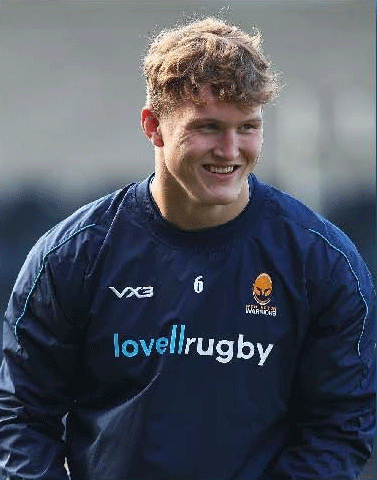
{"x":221,"y":170}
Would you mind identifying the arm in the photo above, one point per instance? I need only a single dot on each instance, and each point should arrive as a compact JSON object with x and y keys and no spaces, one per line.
{"x":31,"y":429}
{"x":333,"y":403}
{"x":39,"y":367}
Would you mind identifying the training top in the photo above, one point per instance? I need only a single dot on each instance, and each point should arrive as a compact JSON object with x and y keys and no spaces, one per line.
{"x":142,"y":351}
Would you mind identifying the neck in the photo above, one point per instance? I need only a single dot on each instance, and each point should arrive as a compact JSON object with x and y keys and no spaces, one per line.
{"x":177,"y":208}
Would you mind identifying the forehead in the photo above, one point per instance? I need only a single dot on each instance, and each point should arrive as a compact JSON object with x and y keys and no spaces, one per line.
{"x":212,"y":107}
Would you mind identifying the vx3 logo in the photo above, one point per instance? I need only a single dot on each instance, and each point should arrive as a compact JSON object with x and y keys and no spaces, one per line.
{"x":138,"y":292}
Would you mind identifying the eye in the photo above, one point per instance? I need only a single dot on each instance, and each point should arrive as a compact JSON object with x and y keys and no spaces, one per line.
{"x":209,"y":128}
{"x":247,"y":127}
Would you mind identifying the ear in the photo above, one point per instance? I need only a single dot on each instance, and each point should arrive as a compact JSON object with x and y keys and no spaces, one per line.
{"x":150,"y":126}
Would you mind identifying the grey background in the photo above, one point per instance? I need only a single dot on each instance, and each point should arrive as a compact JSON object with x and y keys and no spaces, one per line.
{"x":71,"y":93}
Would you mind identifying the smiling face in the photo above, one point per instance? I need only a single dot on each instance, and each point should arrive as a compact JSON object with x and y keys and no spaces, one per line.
{"x":204,"y":155}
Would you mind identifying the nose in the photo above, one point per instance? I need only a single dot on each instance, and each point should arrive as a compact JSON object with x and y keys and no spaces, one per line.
{"x":227,"y":145}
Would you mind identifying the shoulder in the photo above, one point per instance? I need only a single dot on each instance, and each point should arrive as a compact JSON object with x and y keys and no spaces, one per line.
{"x":306,"y":237}
{"x":93,"y":220}
{"x":88,"y":224}
{"x":294,"y":216}
{"x":64,"y":255}
{"x":332,"y":269}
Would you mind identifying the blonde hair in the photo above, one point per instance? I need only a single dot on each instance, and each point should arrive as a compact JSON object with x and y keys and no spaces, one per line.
{"x":209,"y":51}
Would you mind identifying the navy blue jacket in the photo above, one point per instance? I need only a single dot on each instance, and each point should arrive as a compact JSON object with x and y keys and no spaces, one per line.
{"x":140,"y":351}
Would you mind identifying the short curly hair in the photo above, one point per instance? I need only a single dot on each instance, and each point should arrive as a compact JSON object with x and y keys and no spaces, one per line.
{"x":209,"y":51}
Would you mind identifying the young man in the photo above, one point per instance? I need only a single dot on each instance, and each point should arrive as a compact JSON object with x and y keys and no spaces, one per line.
{"x":200,"y":324}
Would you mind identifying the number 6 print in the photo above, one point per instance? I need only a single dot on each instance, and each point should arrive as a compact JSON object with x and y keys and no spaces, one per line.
{"x":198,"y":284}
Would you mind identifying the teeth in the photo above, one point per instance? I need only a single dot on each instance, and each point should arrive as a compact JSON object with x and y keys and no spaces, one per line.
{"x":214,"y":169}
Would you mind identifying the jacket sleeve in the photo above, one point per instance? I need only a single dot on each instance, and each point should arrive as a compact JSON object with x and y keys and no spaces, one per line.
{"x":40,"y":366}
{"x":333,"y":404}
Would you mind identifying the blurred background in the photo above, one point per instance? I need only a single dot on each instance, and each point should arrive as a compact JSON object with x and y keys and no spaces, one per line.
{"x":71,"y":93}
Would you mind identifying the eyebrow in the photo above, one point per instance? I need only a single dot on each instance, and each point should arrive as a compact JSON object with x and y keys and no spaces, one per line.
{"x":258,"y":119}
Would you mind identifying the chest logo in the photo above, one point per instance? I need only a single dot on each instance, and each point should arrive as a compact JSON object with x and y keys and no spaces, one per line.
{"x":262,"y":293}
{"x":262,"y":289}
{"x":138,"y":292}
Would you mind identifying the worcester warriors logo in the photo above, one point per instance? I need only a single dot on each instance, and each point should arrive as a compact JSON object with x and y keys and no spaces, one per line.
{"x":262,"y":293}
{"x":262,"y":289}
